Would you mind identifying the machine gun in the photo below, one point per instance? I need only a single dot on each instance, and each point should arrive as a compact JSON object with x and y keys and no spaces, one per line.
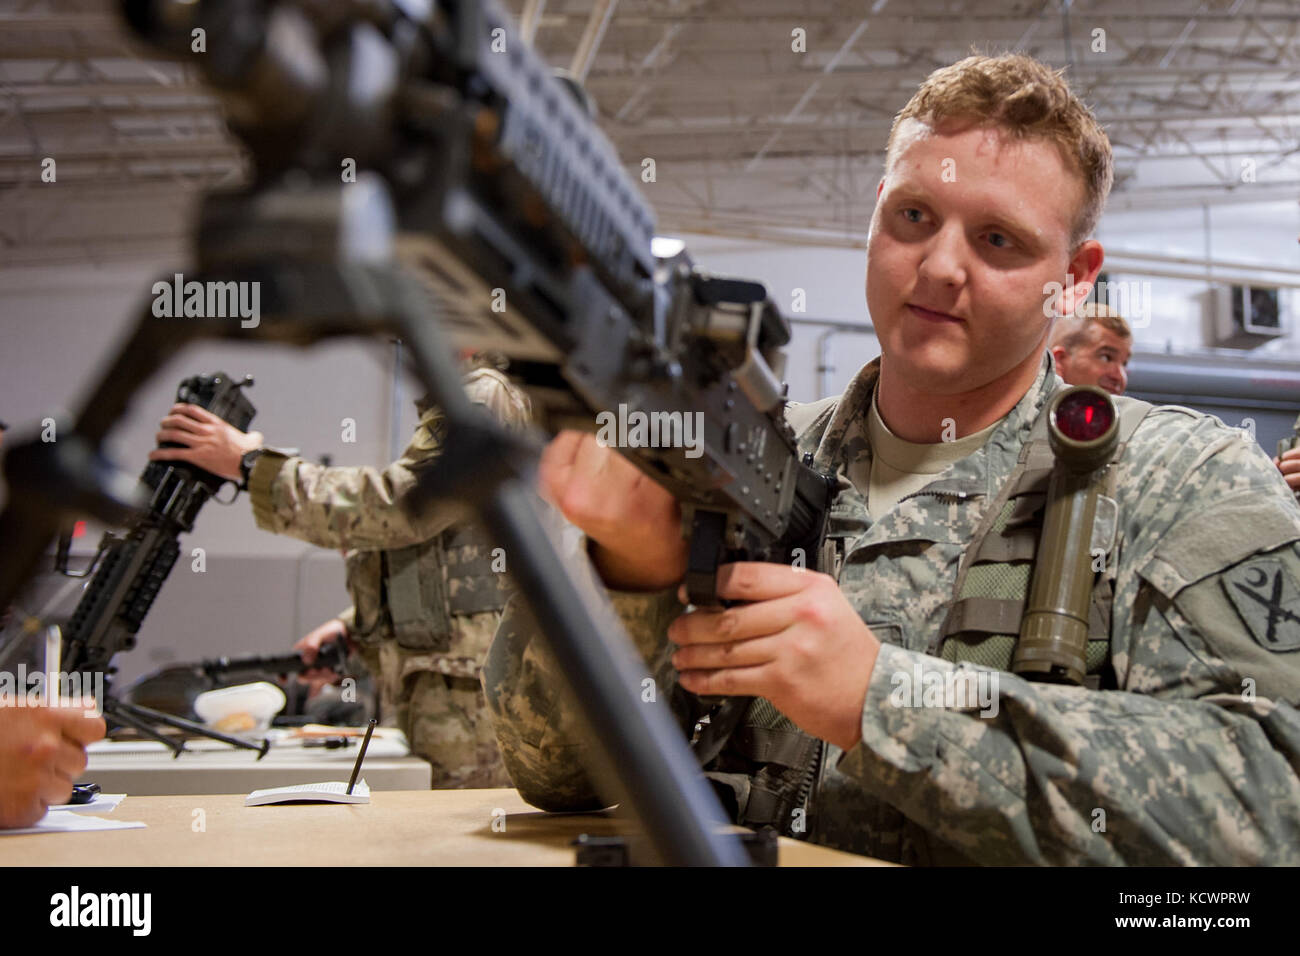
{"x":431,"y":132}
{"x":129,"y":569}
{"x":173,"y":689}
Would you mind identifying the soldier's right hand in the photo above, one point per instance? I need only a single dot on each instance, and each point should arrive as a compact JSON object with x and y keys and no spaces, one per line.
{"x":42,"y":752}
{"x":1289,"y":465}
{"x":634,"y":523}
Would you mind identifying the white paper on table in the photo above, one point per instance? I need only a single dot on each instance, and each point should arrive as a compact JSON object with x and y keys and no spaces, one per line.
{"x":103,"y":803}
{"x":61,"y":821}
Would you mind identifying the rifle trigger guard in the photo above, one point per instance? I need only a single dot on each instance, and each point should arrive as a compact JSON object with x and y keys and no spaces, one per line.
{"x":235,"y":494}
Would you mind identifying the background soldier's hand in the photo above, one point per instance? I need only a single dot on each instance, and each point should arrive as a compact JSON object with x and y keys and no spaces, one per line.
{"x":42,"y":752}
{"x":799,"y":643}
{"x":309,"y":647}
{"x":210,"y":441}
{"x":636,"y":525}
{"x":1290,"y":467}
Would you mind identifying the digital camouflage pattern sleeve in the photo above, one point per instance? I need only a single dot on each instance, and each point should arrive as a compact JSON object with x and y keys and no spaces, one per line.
{"x":537,"y":726}
{"x":358,"y":507}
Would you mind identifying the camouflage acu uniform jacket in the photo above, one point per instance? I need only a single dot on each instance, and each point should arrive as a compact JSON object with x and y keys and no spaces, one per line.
{"x":1193,"y":759}
{"x":359,"y":509}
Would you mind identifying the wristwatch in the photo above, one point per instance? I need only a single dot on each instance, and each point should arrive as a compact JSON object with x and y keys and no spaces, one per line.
{"x":246,"y":463}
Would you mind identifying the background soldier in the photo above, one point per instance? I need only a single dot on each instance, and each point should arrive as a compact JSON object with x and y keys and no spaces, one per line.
{"x":426,"y":595}
{"x":1093,"y":348}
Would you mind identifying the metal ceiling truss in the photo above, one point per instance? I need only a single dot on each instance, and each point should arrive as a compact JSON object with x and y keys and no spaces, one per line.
{"x":747,"y":132}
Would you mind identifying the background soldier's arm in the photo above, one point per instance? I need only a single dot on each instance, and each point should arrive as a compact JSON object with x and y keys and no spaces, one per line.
{"x":346,"y":507}
{"x":361,"y":507}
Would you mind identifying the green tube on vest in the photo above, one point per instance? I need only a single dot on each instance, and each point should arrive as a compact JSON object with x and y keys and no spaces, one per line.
{"x":1083,"y":431}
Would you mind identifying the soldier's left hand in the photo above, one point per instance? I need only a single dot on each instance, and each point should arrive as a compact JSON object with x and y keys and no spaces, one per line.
{"x":798,"y":642}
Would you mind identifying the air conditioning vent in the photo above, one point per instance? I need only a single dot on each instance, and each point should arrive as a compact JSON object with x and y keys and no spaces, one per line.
{"x":1245,"y":317}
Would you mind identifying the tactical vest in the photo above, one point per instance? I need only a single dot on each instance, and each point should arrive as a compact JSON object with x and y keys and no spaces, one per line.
{"x":428,"y":584}
{"x":765,"y":769}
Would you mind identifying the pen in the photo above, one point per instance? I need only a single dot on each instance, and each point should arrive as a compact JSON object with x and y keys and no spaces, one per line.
{"x":356,"y":768}
{"x":53,"y":653}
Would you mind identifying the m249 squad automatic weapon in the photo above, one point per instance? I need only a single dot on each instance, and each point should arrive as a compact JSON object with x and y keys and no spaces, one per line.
{"x":528,"y":237}
{"x":173,"y":689}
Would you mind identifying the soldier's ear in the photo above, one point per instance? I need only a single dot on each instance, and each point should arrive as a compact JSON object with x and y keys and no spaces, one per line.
{"x":1059,"y":356}
{"x":1085,"y":265}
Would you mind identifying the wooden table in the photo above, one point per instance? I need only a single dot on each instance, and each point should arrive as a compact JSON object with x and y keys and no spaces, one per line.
{"x":397,"y":828}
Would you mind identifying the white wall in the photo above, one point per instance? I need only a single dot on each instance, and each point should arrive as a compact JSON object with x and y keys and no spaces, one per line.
{"x":833,"y":285}
{"x":1261,"y":234}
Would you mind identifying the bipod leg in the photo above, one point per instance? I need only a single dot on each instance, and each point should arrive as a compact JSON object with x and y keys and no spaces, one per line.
{"x":180,"y":723}
{"x":115,"y":711}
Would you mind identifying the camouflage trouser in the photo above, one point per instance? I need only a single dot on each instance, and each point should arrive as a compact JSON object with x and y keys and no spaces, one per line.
{"x":444,"y":718}
{"x":446,"y":721}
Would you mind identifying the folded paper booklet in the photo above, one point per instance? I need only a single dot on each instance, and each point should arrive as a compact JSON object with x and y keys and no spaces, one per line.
{"x":336,"y":791}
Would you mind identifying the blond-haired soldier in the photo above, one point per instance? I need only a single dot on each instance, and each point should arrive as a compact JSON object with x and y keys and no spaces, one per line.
{"x":845,"y":742}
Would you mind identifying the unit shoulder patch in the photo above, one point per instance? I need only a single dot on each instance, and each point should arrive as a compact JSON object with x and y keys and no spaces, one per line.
{"x":1267,"y":597}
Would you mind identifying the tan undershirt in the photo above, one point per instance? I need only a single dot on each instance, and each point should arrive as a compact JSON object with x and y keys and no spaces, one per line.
{"x":899,"y":468}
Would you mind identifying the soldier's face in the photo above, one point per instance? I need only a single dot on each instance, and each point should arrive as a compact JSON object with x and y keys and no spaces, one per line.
{"x":969,"y":227}
{"x":1102,"y":360}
